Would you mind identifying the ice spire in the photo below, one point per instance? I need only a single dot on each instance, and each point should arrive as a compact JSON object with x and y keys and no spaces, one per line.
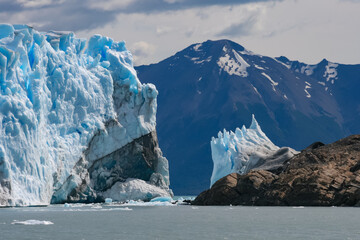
{"x":237,"y":152}
{"x":254,"y":124}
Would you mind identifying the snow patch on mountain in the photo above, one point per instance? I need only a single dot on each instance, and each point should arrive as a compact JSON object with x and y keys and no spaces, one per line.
{"x":258,"y":67}
{"x":307,"y":70}
{"x":233,"y":66}
{"x":197,"y":60}
{"x":247,"y":52}
{"x":330,"y":72}
{"x":243,"y":150}
{"x":255,"y":89}
{"x":197,"y":47}
{"x":307,"y":86}
{"x":273,"y":83}
{"x":282,"y":63}
{"x":208,"y":59}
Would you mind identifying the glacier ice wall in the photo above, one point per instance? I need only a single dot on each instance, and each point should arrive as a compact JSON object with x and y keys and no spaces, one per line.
{"x":245,"y":149}
{"x":57,"y":92}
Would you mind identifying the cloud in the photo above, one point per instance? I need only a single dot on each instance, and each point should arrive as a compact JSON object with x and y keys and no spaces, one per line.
{"x":160,"y":30}
{"x":239,"y":29}
{"x":250,"y":22}
{"x":68,"y":15}
{"x":35,"y":3}
{"x":142,"y":50}
{"x":110,"y":4}
{"x":149,"y":6}
{"x":7,"y":6}
{"x":77,"y":15}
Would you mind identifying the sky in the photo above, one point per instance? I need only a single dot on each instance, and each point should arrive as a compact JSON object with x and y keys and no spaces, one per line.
{"x":304,"y":30}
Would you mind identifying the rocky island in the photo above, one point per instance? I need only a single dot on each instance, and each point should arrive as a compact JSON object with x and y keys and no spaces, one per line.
{"x":320,"y":175}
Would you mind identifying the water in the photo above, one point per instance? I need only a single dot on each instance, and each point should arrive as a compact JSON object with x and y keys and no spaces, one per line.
{"x":179,"y":222}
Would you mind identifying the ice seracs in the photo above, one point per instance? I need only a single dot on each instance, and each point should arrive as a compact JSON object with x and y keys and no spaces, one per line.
{"x":243,"y":150}
{"x":65,"y":100}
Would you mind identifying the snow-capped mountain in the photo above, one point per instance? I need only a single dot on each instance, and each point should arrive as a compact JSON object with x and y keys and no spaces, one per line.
{"x":218,"y":84}
{"x":76,"y":123}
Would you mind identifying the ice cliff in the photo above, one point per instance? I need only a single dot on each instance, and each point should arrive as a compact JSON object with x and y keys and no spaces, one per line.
{"x":244,"y":150}
{"x":75,"y":121}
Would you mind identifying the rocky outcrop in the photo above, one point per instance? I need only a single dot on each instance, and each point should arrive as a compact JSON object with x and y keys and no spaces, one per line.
{"x":321,"y":175}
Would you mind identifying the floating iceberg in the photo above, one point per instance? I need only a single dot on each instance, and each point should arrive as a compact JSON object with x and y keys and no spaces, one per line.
{"x":244,"y":150}
{"x":32,"y":222}
{"x":135,"y":189}
{"x":73,"y":115}
{"x":162,"y":199}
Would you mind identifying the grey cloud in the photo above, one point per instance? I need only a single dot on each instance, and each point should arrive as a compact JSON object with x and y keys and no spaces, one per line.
{"x":149,"y":6}
{"x":77,"y":15}
{"x":142,"y":49}
{"x":71,"y":15}
{"x":7,"y":6}
{"x":73,"y":19}
{"x":239,"y":29}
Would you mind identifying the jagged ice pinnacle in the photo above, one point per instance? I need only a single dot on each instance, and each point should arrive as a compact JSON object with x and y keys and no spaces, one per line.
{"x":243,"y":150}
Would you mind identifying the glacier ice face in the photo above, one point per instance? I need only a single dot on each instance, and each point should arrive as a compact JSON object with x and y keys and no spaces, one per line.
{"x":244,"y":150}
{"x":58,"y":94}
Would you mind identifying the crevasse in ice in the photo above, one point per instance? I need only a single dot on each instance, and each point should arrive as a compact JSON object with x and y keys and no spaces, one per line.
{"x":56,"y":92}
{"x":243,"y":150}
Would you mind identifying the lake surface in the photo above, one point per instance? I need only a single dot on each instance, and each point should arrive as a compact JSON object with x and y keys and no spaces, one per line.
{"x":140,"y":221}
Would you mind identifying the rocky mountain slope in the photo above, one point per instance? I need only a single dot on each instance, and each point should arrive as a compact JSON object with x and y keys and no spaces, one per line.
{"x":321,"y":175}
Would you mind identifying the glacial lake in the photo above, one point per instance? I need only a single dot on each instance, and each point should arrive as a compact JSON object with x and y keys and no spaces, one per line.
{"x":165,"y":221}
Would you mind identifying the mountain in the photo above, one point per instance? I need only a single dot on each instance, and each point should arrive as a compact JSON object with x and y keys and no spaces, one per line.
{"x":76,"y":123}
{"x":218,"y":84}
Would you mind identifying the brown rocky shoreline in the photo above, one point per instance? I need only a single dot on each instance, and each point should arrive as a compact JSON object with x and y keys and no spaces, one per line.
{"x":320,"y":175}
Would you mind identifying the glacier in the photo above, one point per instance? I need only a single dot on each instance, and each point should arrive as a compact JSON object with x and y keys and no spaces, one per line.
{"x":245,"y":149}
{"x":71,"y":112}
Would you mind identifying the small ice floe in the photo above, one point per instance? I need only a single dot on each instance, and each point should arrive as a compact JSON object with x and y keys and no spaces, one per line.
{"x":194,"y":207}
{"x":117,"y":209}
{"x":299,"y":207}
{"x":147,"y":204}
{"x":99,"y":209}
{"x":32,"y":222}
{"x":161,"y":199}
{"x":67,"y":205}
{"x":108,"y":200}
{"x":96,"y":206}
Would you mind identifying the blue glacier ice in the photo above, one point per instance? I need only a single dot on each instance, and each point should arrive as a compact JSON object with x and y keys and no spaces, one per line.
{"x":161,"y":199}
{"x":56,"y":92}
{"x":245,"y":149}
